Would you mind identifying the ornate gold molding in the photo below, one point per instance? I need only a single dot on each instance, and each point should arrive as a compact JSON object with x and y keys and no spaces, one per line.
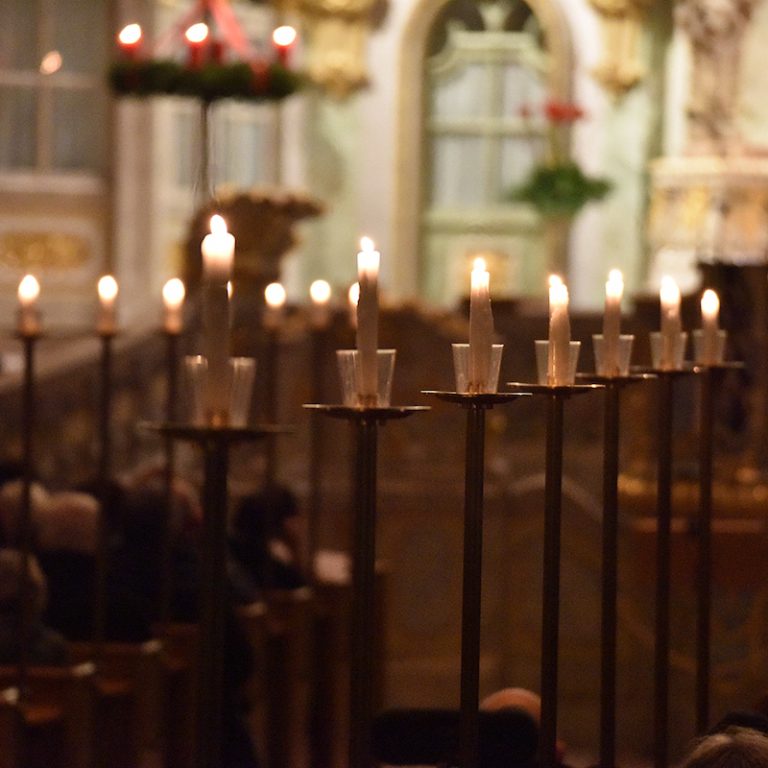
{"x":35,"y":250}
{"x":622,"y":22}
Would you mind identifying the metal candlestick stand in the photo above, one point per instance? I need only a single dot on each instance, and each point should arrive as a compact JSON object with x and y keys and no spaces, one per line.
{"x":709,"y":374}
{"x":172,"y":393}
{"x":271,"y":402}
{"x":553,"y":492}
{"x":611,"y":423}
{"x":25,"y":519}
{"x":315,"y":450}
{"x":103,"y":479}
{"x":366,"y":422}
{"x":215,"y":443}
{"x":666,"y":379}
{"x":476,"y":406}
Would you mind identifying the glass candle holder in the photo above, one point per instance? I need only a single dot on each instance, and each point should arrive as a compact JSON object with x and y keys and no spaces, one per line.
{"x":706,"y":353}
{"x":623,"y":355}
{"x":349,"y":374}
{"x":461,"y":370}
{"x":568,"y":376}
{"x":240,"y":385}
{"x":668,"y":354}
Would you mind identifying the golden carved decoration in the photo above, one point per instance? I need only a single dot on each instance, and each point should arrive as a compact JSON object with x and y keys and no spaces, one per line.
{"x":28,"y":250}
{"x":622,"y":22}
{"x":337,"y":32}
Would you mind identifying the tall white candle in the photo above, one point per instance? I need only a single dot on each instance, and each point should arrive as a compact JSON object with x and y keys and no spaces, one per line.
{"x":218,"y":249}
{"x":28,"y":317}
{"x":320,"y":293}
{"x":353,"y":297}
{"x":671,"y":325}
{"x":614,"y":290}
{"x":368,"y":320}
{"x":710,"y":326}
{"x":559,"y":351}
{"x":173,"y":302}
{"x":274,"y":297}
{"x":108,"y":289}
{"x":480,"y":326}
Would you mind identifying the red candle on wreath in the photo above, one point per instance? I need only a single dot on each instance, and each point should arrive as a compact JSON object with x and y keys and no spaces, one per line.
{"x":283,"y":39}
{"x":129,"y":39}
{"x":197,"y":41}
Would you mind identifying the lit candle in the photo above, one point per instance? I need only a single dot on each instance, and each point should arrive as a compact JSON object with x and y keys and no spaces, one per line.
{"x":274,"y":296}
{"x":283,"y":39}
{"x":218,"y":249}
{"x":614,"y":290}
{"x":29,"y":316}
{"x":480,"y":327}
{"x":710,"y":327}
{"x":353,"y":296}
{"x":671,"y":325}
{"x":129,"y":39}
{"x":559,"y":351}
{"x":368,"y":320}
{"x":107,"y":288}
{"x":197,"y":38}
{"x":320,"y":293}
{"x":173,"y":301}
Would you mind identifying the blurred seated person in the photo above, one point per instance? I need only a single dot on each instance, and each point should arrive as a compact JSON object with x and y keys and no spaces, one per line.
{"x":265,"y":538}
{"x":20,"y":590}
{"x":731,"y":748}
{"x":11,"y":493}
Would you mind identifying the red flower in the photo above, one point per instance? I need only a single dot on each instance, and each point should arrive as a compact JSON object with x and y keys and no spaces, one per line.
{"x":562,"y":111}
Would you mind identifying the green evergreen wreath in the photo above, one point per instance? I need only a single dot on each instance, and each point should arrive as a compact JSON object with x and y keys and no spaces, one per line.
{"x":209,"y":82}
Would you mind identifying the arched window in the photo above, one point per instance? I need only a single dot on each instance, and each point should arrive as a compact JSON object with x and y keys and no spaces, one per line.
{"x":483,"y":66}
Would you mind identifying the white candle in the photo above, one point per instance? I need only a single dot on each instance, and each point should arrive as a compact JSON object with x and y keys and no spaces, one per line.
{"x":274,"y":296}
{"x":671,"y":325}
{"x":614,"y":290}
{"x":480,"y":326}
{"x":320,"y":293}
{"x":218,"y":249}
{"x":107,"y":288}
{"x":173,"y":301}
{"x":29,"y":317}
{"x":353,"y":296}
{"x":710,"y":326}
{"x":559,"y":351}
{"x":368,"y":320}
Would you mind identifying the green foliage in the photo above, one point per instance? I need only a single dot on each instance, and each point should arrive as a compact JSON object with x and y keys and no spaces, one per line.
{"x":560,"y":190}
{"x":210,"y":82}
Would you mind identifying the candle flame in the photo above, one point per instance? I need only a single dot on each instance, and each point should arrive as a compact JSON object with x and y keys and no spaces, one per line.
{"x":284,"y":36}
{"x":354,"y":294}
{"x":197,"y":33}
{"x":29,"y":290}
{"x":51,"y":63}
{"x":230,"y":289}
{"x":558,"y":292}
{"x":710,"y":303}
{"x":173,"y":293}
{"x":555,"y":280}
{"x":669,"y":293}
{"x":218,"y":225}
{"x":367,"y":245}
{"x":129,"y":34}
{"x":107,"y":288}
{"x":275,"y":296}
{"x":479,"y":264}
{"x":614,"y":288}
{"x":320,"y":291}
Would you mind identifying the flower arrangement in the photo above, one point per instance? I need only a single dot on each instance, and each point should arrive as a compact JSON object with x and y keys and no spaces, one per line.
{"x":206,"y":55}
{"x":557,"y":187}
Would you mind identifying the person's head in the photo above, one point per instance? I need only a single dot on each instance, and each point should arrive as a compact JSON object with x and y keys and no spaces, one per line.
{"x":14,"y":588}
{"x":69,"y":523}
{"x":513,"y":698}
{"x":733,"y":748}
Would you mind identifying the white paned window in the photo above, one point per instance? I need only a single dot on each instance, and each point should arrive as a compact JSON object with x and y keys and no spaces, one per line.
{"x":53,"y":97}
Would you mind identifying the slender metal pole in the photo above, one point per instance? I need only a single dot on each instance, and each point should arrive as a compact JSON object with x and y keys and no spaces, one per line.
{"x":172,"y":393}
{"x":25,"y":519}
{"x":104,"y":471}
{"x":363,"y":606}
{"x":472,"y":586}
{"x":315,"y":450}
{"x":271,"y":401}
{"x":704,"y":570}
{"x":609,"y":575}
{"x":212,"y":605}
{"x":551,"y":586}
{"x":664,"y":521}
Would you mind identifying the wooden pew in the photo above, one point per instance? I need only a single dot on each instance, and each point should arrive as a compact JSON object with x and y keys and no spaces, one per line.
{"x":253,"y":619}
{"x":11,"y":730}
